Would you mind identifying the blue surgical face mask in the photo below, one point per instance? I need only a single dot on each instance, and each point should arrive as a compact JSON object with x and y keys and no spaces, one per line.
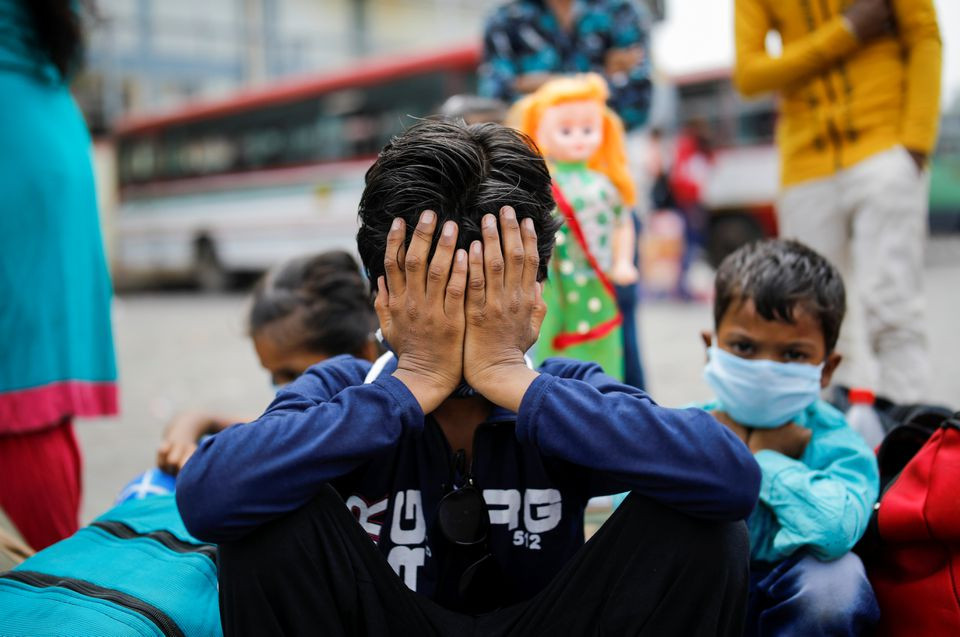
{"x":761,"y":393}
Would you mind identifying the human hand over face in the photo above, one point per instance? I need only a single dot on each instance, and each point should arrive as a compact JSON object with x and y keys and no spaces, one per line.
{"x":421,"y":309}
{"x":504,"y":309}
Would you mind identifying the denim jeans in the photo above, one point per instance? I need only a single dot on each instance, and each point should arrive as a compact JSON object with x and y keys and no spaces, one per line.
{"x":805,"y":597}
{"x":632,"y":367}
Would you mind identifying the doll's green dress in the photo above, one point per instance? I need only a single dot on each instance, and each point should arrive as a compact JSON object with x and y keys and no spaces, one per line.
{"x":582,"y":314}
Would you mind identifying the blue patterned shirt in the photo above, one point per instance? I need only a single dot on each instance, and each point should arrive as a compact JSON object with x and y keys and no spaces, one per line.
{"x":524,"y":36}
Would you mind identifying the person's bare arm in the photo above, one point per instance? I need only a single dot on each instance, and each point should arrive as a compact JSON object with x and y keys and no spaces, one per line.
{"x":181,"y":435}
{"x":756,"y":71}
{"x":623,"y":270}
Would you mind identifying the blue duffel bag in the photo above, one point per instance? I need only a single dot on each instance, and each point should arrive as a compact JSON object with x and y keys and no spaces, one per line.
{"x":134,"y":571}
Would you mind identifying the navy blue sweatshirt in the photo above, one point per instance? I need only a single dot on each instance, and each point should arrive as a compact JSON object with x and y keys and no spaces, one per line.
{"x":579,"y":433}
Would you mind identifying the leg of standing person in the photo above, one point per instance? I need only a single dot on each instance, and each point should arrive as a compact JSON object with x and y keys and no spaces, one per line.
{"x":632,"y":367}
{"x":648,"y":571}
{"x":814,"y":213}
{"x":889,"y":196}
{"x":627,"y":301}
{"x":693,"y":241}
{"x":40,"y":483}
{"x":804,"y":596}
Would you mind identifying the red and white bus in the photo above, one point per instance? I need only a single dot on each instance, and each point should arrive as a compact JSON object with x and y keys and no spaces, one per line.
{"x":741,"y":190}
{"x":237,"y":185}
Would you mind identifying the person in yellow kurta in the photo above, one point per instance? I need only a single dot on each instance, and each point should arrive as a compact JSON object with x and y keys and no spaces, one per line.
{"x":859,"y":89}
{"x":582,"y":140}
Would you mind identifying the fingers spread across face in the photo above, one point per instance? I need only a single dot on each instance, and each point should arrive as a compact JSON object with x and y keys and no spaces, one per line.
{"x":513,"y":249}
{"x":415,"y":263}
{"x":539,"y":310}
{"x":531,"y":256}
{"x":476,"y":285}
{"x":393,"y":257}
{"x":439,"y":271}
{"x":493,"y":265}
{"x":381,"y":303}
{"x":456,"y":287}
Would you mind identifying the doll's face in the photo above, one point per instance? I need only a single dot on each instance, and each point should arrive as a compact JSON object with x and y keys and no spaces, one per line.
{"x":571,"y":131}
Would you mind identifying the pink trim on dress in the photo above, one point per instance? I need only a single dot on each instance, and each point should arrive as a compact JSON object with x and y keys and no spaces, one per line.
{"x":40,"y":407}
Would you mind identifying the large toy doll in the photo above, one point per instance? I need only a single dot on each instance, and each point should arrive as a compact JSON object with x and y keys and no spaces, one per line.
{"x":582,"y":140}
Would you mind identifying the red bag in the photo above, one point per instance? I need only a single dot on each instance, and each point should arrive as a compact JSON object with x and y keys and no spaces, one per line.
{"x":914,"y":563}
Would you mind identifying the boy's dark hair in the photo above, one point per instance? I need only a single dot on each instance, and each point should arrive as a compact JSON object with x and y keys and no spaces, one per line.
{"x":461,"y":173}
{"x":778,"y":275}
{"x":329,"y":294}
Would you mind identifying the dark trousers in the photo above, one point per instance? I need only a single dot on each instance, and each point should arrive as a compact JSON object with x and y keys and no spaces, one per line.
{"x":647,"y":571}
{"x":804,"y":596}
{"x":632,"y":367}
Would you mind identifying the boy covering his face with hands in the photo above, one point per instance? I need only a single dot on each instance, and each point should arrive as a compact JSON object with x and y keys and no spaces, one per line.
{"x":778,"y":310}
{"x":468,"y":470}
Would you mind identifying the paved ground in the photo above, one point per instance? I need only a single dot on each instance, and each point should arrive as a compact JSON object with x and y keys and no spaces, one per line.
{"x":179,"y":350}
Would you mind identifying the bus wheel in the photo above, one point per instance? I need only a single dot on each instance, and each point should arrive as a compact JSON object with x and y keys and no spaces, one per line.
{"x":209,"y":273}
{"x":727,"y":232}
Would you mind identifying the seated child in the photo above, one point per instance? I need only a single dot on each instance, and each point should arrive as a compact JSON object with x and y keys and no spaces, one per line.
{"x":468,"y":471}
{"x":777,"y":313}
{"x":303,"y":311}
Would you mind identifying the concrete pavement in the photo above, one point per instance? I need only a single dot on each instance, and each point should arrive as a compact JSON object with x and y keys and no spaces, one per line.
{"x":186,"y":350}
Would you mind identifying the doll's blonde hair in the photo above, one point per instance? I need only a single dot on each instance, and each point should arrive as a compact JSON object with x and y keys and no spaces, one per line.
{"x":611,"y":156}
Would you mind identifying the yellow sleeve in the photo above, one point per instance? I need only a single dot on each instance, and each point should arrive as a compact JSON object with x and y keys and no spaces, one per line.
{"x":920,"y":36}
{"x":756,"y":71}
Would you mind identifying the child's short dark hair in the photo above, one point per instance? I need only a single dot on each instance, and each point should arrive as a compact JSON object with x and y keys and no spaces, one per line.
{"x":461,"y":173}
{"x":778,"y":275}
{"x":329,"y":294}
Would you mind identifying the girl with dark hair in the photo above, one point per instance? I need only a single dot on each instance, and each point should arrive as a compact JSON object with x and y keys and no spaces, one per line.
{"x":56,"y":345}
{"x":304,"y":311}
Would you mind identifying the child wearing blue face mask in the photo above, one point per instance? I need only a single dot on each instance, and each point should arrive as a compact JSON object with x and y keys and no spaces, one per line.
{"x":777,"y":314}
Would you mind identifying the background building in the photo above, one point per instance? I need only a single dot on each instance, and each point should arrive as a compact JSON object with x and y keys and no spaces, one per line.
{"x":149,"y":55}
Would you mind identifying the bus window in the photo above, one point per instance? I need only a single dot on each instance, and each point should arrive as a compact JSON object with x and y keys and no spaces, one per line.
{"x":302,"y":147}
{"x":755,"y":124}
